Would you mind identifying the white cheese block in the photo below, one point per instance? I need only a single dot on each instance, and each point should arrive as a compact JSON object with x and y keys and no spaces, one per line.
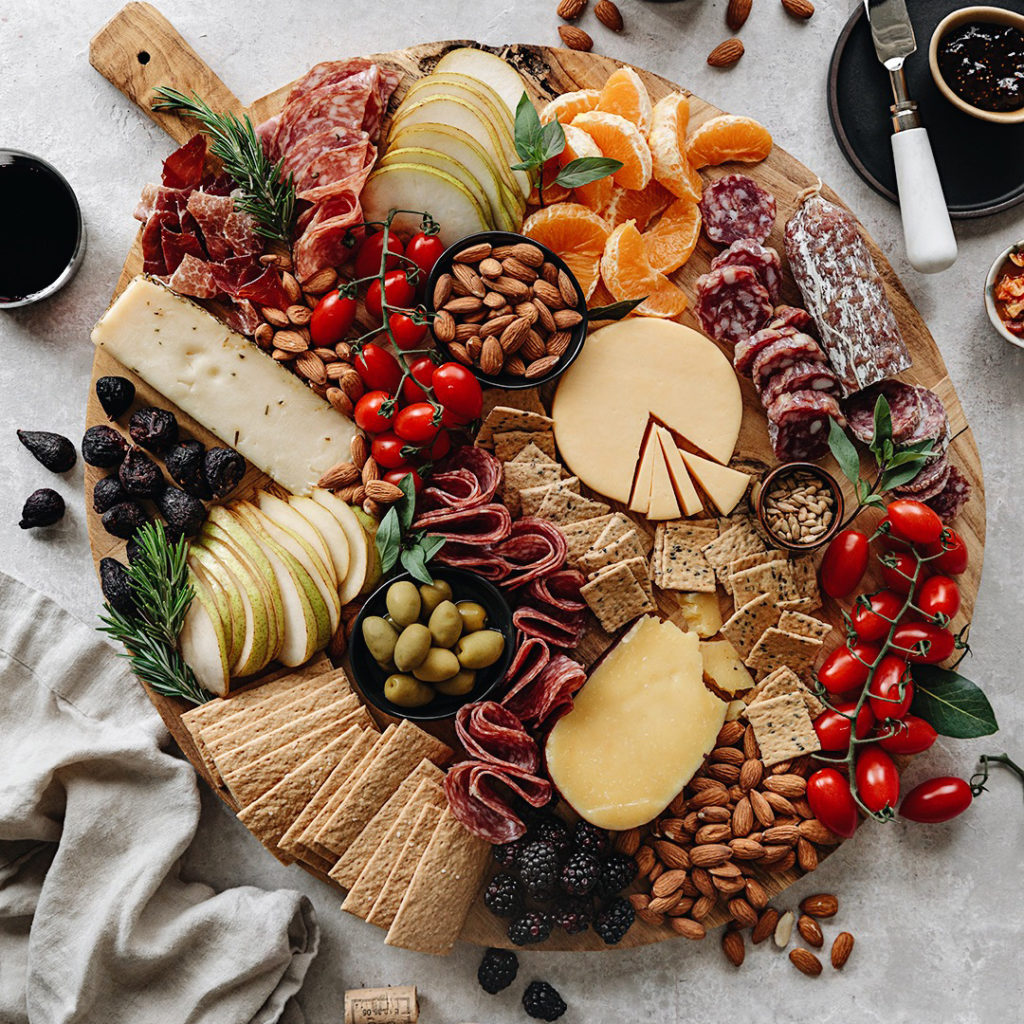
{"x":639,"y":729}
{"x":700,"y":612}
{"x":689,"y":499}
{"x":723,"y":486}
{"x":663,"y":497}
{"x":226,"y":383}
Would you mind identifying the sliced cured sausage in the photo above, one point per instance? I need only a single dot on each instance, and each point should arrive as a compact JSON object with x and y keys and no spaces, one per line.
{"x":543,"y":692}
{"x":735,"y":207}
{"x":793,"y":316}
{"x":763,"y":260}
{"x":798,"y":425}
{"x":933,"y":424}
{"x":783,"y":353}
{"x":482,"y":525}
{"x":732,"y":303}
{"x":904,"y":408}
{"x":803,"y":375}
{"x":490,"y":732}
{"x":480,"y":796}
{"x":748,"y":349}
{"x":533,"y":548}
{"x":929,"y":482}
{"x":950,"y":501}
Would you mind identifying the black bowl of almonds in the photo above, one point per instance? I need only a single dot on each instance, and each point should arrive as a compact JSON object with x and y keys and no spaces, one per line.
{"x":508,"y":308}
{"x":799,"y":506}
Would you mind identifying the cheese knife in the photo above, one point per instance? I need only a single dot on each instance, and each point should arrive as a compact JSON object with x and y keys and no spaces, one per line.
{"x":927,"y":231}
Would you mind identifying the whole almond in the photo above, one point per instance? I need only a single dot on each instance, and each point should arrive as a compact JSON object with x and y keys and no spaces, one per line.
{"x":665,"y":904}
{"x":742,"y":818}
{"x":730,"y":734}
{"x":729,"y":871}
{"x":463,"y":304}
{"x":352,"y":384}
{"x":609,"y":15}
{"x":444,"y":327}
{"x":442,"y":290}
{"x":714,"y":794}
{"x":558,"y":343}
{"x":673,"y":828}
{"x":725,"y":54}
{"x":785,"y":834}
{"x":299,"y":315}
{"x":806,"y":855}
{"x":799,"y":8}
{"x":513,"y":336}
{"x":372,"y":508}
{"x":291,"y":286}
{"x":733,"y":948}
{"x":533,"y":347}
{"x":340,"y":401}
{"x":786,"y":785}
{"x":702,"y":907}
{"x":649,"y":917}
{"x":712,"y":853}
{"x":779,"y":804}
{"x":784,"y":929}
{"x":810,"y":930}
{"x":529,"y":310}
{"x":290,"y":341}
{"x":383,"y":492}
{"x":639,"y":900}
{"x":343,"y":474}
{"x":566,"y":318}
{"x":814,"y":831}
{"x":628,"y":842}
{"x":756,"y":894}
{"x":671,"y":854}
{"x":458,"y":352}
{"x":338,"y":370}
{"x":470,"y":279}
{"x":496,"y":326}
{"x":495,"y":302}
{"x":328,"y":355}
{"x":549,"y":294}
{"x":688,"y":928}
{"x":775,"y":853}
{"x":321,"y":281}
{"x":728,"y":886}
{"x":726,"y":755}
{"x":370,"y":470}
{"x":751,"y":773}
{"x":645,"y":860}
{"x":473,"y":253}
{"x":742,"y":912}
{"x":511,"y":287}
{"x":519,"y":270}
{"x":310,"y":366}
{"x":841,"y":950}
{"x":744,"y":849}
{"x":713,"y":834}
{"x":781,"y":768}
{"x":491,"y":357}
{"x":359,"y":449}
{"x":669,"y":882}
{"x":570,"y":10}
{"x":526,"y":252}
{"x":822,"y":904}
{"x":765,"y":925}
{"x":737,"y":13}
{"x":750,"y":747}
{"x":714,"y":815}
{"x":702,"y":882}
{"x":804,"y":960}
{"x":264,"y":336}
{"x":539,"y":367}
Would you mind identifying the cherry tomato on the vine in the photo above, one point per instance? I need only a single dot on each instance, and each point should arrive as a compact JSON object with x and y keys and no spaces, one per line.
{"x":847,"y":668}
{"x":415,"y":423}
{"x":913,"y":521}
{"x":378,"y":368}
{"x":421,"y":374}
{"x":395,"y":476}
{"x":878,"y":781}
{"x":441,"y":447}
{"x":458,"y":391}
{"x":884,"y":690}
{"x":910,"y":736}
{"x":871,"y":620}
{"x":368,"y":415}
{"x":937,"y":800}
{"x":938,"y":643}
{"x":939,"y":596}
{"x":406,"y":332}
{"x":386,"y":450}
{"x":844,"y":563}
{"x":828,"y":793}
{"x":397,"y":292}
{"x":898,"y":568}
{"x":424,"y":251}
{"x":372,"y":249}
{"x":951,"y":551}
{"x":833,"y":727}
{"x":333,"y":317}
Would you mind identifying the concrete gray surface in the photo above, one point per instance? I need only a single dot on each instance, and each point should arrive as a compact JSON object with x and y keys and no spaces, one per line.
{"x":936,"y":911}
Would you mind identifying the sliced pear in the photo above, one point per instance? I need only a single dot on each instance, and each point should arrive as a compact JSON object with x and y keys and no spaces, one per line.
{"x":442,"y":162}
{"x":485,"y":67}
{"x":284,"y":515}
{"x":374,"y":570}
{"x":358,"y":542}
{"x":336,"y":539}
{"x":204,"y":644}
{"x":199,"y":577}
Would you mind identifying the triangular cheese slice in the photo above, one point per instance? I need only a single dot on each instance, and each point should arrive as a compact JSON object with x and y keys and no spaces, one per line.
{"x":640,"y":498}
{"x":663,"y":496}
{"x":723,"y":486}
{"x":687,"y":494}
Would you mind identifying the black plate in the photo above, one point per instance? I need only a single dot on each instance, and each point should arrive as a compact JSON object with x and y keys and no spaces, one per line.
{"x":981,"y":164}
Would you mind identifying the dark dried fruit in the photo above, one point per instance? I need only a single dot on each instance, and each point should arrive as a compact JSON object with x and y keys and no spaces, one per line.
{"x":117,"y":589}
{"x":185,"y":464}
{"x":107,"y":493}
{"x":54,"y":451}
{"x":103,"y":447}
{"x":123,"y":519}
{"x":116,"y":395}
{"x":223,"y":469}
{"x":133,"y":549}
{"x":42,"y":508}
{"x":185,"y":514}
{"x":155,"y":429}
{"x":140,"y":476}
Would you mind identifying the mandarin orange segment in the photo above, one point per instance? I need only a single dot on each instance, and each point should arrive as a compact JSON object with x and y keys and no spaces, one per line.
{"x":621,"y":140}
{"x":577,"y":234}
{"x":579,"y":144}
{"x":641,"y":205}
{"x":626,"y":95}
{"x":667,"y":139}
{"x":565,"y":107}
{"x":601,"y":296}
{"x":552,"y":193}
{"x":728,"y":137}
{"x":628,"y":275}
{"x":670,"y":243}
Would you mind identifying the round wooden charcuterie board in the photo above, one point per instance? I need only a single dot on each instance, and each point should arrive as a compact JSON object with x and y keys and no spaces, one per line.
{"x":139,"y":50}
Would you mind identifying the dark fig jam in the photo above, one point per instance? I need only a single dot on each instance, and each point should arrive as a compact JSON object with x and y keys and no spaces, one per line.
{"x":983,"y":63}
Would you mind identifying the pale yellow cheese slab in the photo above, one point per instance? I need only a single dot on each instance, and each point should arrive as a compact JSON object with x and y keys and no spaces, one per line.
{"x":663,"y":496}
{"x":724,"y":667}
{"x":640,"y":499}
{"x":686,"y":493}
{"x":724,"y":486}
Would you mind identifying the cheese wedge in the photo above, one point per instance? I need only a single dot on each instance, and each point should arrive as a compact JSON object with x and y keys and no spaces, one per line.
{"x":640,"y":727}
{"x":724,"y":667}
{"x":640,"y":499}
{"x":663,"y":496}
{"x":226,"y":383}
{"x":686,"y":493}
{"x":700,"y":612}
{"x":723,"y":486}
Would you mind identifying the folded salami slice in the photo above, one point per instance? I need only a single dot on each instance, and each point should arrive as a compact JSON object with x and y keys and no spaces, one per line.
{"x":490,"y":732}
{"x":564,"y":630}
{"x":803,"y":375}
{"x":929,"y":482}
{"x":735,"y":207}
{"x":473,"y":558}
{"x":481,"y":525}
{"x":527,"y":663}
{"x":904,"y":408}
{"x":559,"y":590}
{"x":950,"y":501}
{"x":748,"y":349}
{"x":793,"y":316}
{"x":532,"y":548}
{"x":473,"y":790}
{"x":798,"y":425}
{"x":548,"y":695}
{"x":933,"y":424}
{"x":732,"y":303}
{"x":783,"y":353}
{"x":763,"y":260}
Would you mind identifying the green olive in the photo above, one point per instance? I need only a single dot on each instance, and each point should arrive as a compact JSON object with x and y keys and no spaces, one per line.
{"x":403,"y":601}
{"x":380,"y":637}
{"x":438,"y":665}
{"x":412,"y":647}
{"x":445,"y":624}
{"x":407,"y":692}
{"x":459,"y":685}
{"x":480,"y":649}
{"x":474,"y":616}
{"x":432,"y":595}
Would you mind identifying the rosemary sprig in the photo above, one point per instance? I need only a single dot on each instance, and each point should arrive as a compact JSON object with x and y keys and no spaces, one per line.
{"x":162,"y":593}
{"x":267,"y":195}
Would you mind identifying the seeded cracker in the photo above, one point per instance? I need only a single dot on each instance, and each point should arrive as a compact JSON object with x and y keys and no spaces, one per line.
{"x":599,"y":556}
{"x":733,"y":544}
{"x":527,"y":399}
{"x":531,"y":455}
{"x":777,"y":648}
{"x":749,"y":621}
{"x":520,"y":476}
{"x":509,"y":444}
{"x":531,"y":498}
{"x":805,"y":578}
{"x":682,"y":564}
{"x":783,"y":728}
{"x":566,"y":507}
{"x":784,"y":680}
{"x":805,"y":625}
{"x":747,"y":562}
{"x":502,"y":419}
{"x":579,"y":536}
{"x":771,"y":578}
{"x":616,"y":597}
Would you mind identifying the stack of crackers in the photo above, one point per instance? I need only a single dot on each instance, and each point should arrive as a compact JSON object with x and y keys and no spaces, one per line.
{"x":781,"y":710}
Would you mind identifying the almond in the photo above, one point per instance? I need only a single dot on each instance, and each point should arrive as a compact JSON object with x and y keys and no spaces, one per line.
{"x":359,"y":449}
{"x":321,"y":281}
{"x":628,"y":842}
{"x":443,"y":290}
{"x":730,"y":734}
{"x":299,"y":315}
{"x":786,"y":785}
{"x":264,"y":336}
{"x":702,"y":907}
{"x":806,"y":855}
{"x":779,"y":804}
{"x":813,"y":831}
{"x":672,"y":856}
{"x":549,"y":272}
{"x":729,"y":871}
{"x":784,"y":834}
{"x":463,"y":304}
{"x":491,"y":357}
{"x":558,"y":343}
{"x":609,"y":15}
{"x":539,"y":367}
{"x":726,"y":755}
{"x":714,"y":815}
{"x":444,"y":327}
{"x":841,"y":950}
{"x":343,"y":474}
{"x":702,"y":882}
{"x":822,"y":904}
{"x":665,"y":904}
{"x":496,"y":326}
{"x":799,"y":8}
{"x":669,"y":882}
{"x":370,"y":471}
{"x":570,"y":10}
{"x":713,"y":834}
{"x":728,"y":887}
{"x":340,"y":401}
{"x":645,"y":861}
{"x":727,"y":773}
{"x":458,"y":352}
{"x":567,"y":318}
{"x":804,"y":960}
{"x":292,"y":288}
{"x":510,"y":287}
{"x":310,"y":366}
{"x":649,"y":917}
{"x":751,"y":773}
{"x":515,"y":367}
{"x":784,"y":929}
{"x":750,"y":747}
{"x":757,"y":894}
{"x":473,"y":253}
{"x":765,"y":925}
{"x":469,"y":279}
{"x":533,"y":347}
{"x":352,"y":384}
{"x":383,"y":492}
{"x":737,"y":13}
{"x":713,"y":853}
{"x":742,"y":818}
{"x":684,"y":926}
{"x":724,"y":55}
{"x":716,"y":793}
{"x":519,"y":270}
{"x":810,"y":930}
{"x":733,"y":948}
{"x":575,"y":38}
{"x":742,"y":912}
{"x":290,"y":341}
{"x":549,"y":294}
{"x":745,"y":849}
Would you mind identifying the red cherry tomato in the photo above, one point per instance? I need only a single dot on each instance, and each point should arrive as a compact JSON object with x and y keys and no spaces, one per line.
{"x":395,"y":476}
{"x":938,"y":642}
{"x":424,"y":251}
{"x":952,"y":553}
{"x":378,"y":368}
{"x":937,"y":800}
{"x":898,"y":568}
{"x":441,"y":447}
{"x":833,"y":727}
{"x":878,"y":781}
{"x":406,"y":332}
{"x":884,"y":689}
{"x":421,"y":373}
{"x":847,"y":668}
{"x":368,"y":415}
{"x":913,"y":521}
{"x":939,"y":599}
{"x":870,"y":620}
{"x":387,"y":450}
{"x":910,"y":736}
{"x":332,"y":319}
{"x":370,"y":252}
{"x":458,"y":391}
{"x":844,"y":563}
{"x":398,"y":293}
{"x":830,"y":798}
{"x":415,"y":423}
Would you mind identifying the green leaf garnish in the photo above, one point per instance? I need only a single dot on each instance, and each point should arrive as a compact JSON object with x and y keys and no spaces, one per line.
{"x":616,"y":311}
{"x":844,"y":452}
{"x":389,"y":539}
{"x":951,"y":703}
{"x":586,"y":169}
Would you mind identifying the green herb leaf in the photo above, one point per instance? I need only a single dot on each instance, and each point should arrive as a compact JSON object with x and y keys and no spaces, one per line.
{"x":552,"y":138}
{"x":416,"y":565}
{"x":389,"y":539}
{"x":528,"y":135}
{"x":430,"y":545}
{"x":951,"y":703}
{"x":406,"y":506}
{"x":586,"y":169}
{"x":874,"y":501}
{"x":616,"y":311}
{"x":883,"y":426}
{"x":844,"y":452}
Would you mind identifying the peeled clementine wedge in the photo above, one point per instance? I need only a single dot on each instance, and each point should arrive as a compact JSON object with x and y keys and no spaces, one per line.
{"x":667,"y":139}
{"x":728,"y":137}
{"x":626,"y":95}
{"x":565,"y":107}
{"x":641,"y":205}
{"x":628,"y":275}
{"x":579,"y":144}
{"x":577,"y":234}
{"x":601,"y":296}
{"x":621,"y":140}
{"x":552,"y":193}
{"x":670,"y":243}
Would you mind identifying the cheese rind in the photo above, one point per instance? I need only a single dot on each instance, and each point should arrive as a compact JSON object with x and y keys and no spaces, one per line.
{"x":686,"y":493}
{"x":640,"y":727}
{"x":224,"y":382}
{"x":724,"y":486}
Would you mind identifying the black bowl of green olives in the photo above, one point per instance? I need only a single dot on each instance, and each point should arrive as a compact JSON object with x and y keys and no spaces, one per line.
{"x":421,"y":652}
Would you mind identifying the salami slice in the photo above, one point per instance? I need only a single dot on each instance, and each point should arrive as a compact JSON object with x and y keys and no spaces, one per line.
{"x":533,"y":548}
{"x":904,"y":408}
{"x":549,"y":693}
{"x":473,"y":790}
{"x":482,"y":525}
{"x":803,"y":375}
{"x":559,"y":590}
{"x":763,"y":260}
{"x":798,"y":425}
{"x":490,"y":732}
{"x":748,"y":349}
{"x":732,"y":303}
{"x":950,"y":501}
{"x":929,"y":482}
{"x":735,"y":207}
{"x":566,"y":630}
{"x":527,"y":663}
{"x":793,"y":316}
{"x":473,"y":558}
{"x":933,"y":424}
{"x":783,"y":353}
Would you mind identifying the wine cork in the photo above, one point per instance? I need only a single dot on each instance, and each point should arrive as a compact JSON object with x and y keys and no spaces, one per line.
{"x":395,"y":1005}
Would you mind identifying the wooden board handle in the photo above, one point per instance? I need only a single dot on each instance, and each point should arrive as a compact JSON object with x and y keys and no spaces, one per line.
{"x":139,"y":49}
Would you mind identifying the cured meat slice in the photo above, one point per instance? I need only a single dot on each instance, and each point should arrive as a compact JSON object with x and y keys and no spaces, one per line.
{"x":793,"y":316}
{"x":803,"y":375}
{"x":732,"y":303}
{"x":184,"y":167}
{"x":844,"y":293}
{"x":266,"y":289}
{"x":482,"y":467}
{"x":325,"y":245}
{"x":193,"y":277}
{"x":473,"y":558}
{"x":175,"y":245}
{"x":748,"y":349}
{"x":482,"y":525}
{"x":566,"y":630}
{"x":735,"y":207}
{"x":559,"y":590}
{"x":312,"y":146}
{"x":929,"y":482}
{"x":763,"y":260}
{"x":344,"y":164}
{"x":533,"y":548}
{"x":798,"y":425}
{"x":549,"y":695}
{"x":783,"y":353}
{"x":242,"y":316}
{"x":472,"y":790}
{"x":490,"y":732}
{"x":527,"y":663}
{"x":933,"y":424}
{"x":950,"y":501}
{"x":904,"y":408}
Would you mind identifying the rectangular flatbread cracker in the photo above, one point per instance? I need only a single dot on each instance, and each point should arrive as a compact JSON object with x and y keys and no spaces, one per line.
{"x":777,"y":648}
{"x":600,"y":555}
{"x":786,"y":681}
{"x":772,"y":578}
{"x":734,"y":543}
{"x":532,"y":498}
{"x":805,"y":581}
{"x":747,"y":623}
{"x":579,"y":536}
{"x":616,"y":597}
{"x":805,"y":625}
{"x":527,"y":399}
{"x":509,"y":444}
{"x":503,"y":419}
{"x":726,"y":572}
{"x":618,"y":526}
{"x":562,"y":506}
{"x":519,"y":476}
{"x":783,"y":728}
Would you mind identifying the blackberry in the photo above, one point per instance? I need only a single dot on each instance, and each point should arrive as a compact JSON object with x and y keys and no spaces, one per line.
{"x":542,"y":1002}
{"x":580,"y":873}
{"x":497,"y":970}
{"x":504,"y":895}
{"x":573,"y":914}
{"x":617,"y":871}
{"x":554,"y":831}
{"x":615,"y":920}
{"x":506,"y":853}
{"x":538,"y":867}
{"x":532,"y":927}
{"x":590,"y":839}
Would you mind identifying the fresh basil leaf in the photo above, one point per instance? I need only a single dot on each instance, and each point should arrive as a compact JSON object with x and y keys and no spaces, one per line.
{"x":585,"y":170}
{"x":898,"y":476}
{"x":616,"y":311}
{"x":951,"y":703}
{"x":527,"y":131}
{"x":874,"y":501}
{"x":844,"y":452}
{"x":524,"y":165}
{"x":389,"y":539}
{"x":904,"y":458}
{"x":430,"y":545}
{"x":883,"y":425}
{"x":406,"y":505}
{"x":414,"y":564}
{"x":921,"y":447}
{"x":552,"y":138}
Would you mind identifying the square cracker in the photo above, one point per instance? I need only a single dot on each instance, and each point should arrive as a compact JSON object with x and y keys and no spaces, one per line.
{"x":772,"y":578}
{"x":616,"y":597}
{"x":637,"y":565}
{"x":748,"y":622}
{"x":805,"y":625}
{"x":618,"y":526}
{"x":602,"y":554}
{"x":785,"y":680}
{"x":532,"y":455}
{"x":734,"y":543}
{"x":681,"y":564}
{"x":439,"y":896}
{"x":726,"y":572}
{"x":527,"y":399}
{"x":783,"y":728}
{"x":504,"y":418}
{"x":579,"y":536}
{"x":532,"y":498}
{"x":564,"y":506}
{"x":777,"y":648}
{"x":521,"y":476}
{"x":805,"y":580}
{"x":509,"y":444}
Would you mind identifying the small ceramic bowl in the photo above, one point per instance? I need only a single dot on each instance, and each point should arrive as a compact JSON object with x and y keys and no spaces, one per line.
{"x":466,"y":586}
{"x":764,"y":489}
{"x":992,"y":15}
{"x":578,"y":333}
{"x":990,"y":303}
